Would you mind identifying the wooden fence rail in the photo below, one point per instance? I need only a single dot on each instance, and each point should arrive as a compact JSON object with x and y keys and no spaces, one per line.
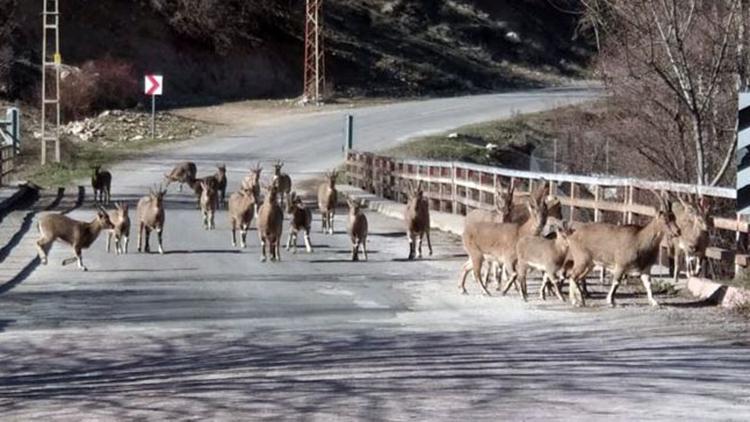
{"x":7,"y":162}
{"x":457,"y":188}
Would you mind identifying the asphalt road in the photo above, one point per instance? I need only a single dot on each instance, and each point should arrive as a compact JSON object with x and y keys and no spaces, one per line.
{"x":207,"y":332}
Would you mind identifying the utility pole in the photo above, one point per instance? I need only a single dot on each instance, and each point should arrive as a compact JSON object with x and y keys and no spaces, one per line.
{"x":314,"y":83}
{"x":51,"y":60}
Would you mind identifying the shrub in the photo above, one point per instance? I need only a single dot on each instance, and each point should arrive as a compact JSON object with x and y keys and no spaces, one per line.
{"x":98,"y":85}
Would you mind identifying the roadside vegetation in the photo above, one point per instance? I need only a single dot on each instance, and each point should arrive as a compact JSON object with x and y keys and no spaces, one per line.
{"x":103,"y":140}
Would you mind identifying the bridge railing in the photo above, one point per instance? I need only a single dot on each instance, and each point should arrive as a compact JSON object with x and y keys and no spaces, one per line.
{"x":7,"y":162}
{"x":457,"y":187}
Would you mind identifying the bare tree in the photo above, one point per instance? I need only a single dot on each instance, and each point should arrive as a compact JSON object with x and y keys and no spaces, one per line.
{"x":677,"y":65}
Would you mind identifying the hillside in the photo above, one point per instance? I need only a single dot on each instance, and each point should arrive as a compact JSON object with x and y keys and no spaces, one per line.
{"x":211,"y":50}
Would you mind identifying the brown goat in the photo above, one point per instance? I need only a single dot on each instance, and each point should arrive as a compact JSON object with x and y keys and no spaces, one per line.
{"x":121,"y":231}
{"x":327,"y":200}
{"x":301,"y":220}
{"x":501,"y":214}
{"x":693,"y":221}
{"x":629,"y":249}
{"x":282,"y":181}
{"x":417,"y":218}
{"x":101,"y":183}
{"x":251,"y":183}
{"x":151,"y":216}
{"x":499,"y":241}
{"x":241,"y":212}
{"x":208,"y":203}
{"x":219,"y":182}
{"x":270,"y":224}
{"x":183,"y":173}
{"x":357,"y":228}
{"x":546,"y":255}
{"x":80,"y":235}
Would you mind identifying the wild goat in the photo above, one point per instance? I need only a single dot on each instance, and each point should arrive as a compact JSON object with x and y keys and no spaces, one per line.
{"x":219,"y":181}
{"x":327,"y":200}
{"x":357,"y":228}
{"x":630,"y":249}
{"x":282,"y":181}
{"x":151,"y":217}
{"x":270,"y":222}
{"x":417,"y":218}
{"x":501,"y":214}
{"x":301,"y":220}
{"x":208,"y":204}
{"x":241,"y":212}
{"x":80,"y":235}
{"x":121,"y":231}
{"x":499,"y":241}
{"x":251,"y":183}
{"x":183,"y":173}
{"x":692,"y":219}
{"x":101,"y":182}
{"x":546,"y":255}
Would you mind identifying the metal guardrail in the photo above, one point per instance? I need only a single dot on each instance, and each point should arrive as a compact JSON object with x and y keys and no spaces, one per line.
{"x":458,"y":188}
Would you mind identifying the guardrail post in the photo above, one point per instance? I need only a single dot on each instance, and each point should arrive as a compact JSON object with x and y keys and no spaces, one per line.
{"x":597,"y":212}
{"x":572,"y":197}
{"x":630,"y":203}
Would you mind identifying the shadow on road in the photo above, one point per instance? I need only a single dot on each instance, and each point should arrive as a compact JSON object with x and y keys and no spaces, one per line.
{"x":366,"y":375}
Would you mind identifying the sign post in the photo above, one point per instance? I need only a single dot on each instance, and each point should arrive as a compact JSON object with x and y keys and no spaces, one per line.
{"x":348,"y":134}
{"x":153,"y":87}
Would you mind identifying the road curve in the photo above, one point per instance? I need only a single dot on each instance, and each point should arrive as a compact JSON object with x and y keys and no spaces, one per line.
{"x":208,"y":332}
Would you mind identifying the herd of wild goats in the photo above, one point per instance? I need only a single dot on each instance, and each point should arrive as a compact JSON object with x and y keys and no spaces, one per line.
{"x":512,"y":238}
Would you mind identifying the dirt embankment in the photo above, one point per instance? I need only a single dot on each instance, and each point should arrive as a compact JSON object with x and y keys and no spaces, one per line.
{"x":211,"y":51}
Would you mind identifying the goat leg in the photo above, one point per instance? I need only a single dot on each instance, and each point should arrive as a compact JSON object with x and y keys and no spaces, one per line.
{"x":646,"y":280}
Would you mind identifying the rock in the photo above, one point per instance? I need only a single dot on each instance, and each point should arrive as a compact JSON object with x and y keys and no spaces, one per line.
{"x":104,"y":114}
{"x":513,"y":37}
{"x":453,"y":135}
{"x":137,"y":138}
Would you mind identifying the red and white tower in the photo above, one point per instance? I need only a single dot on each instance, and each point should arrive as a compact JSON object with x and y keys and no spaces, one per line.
{"x":315,"y":68}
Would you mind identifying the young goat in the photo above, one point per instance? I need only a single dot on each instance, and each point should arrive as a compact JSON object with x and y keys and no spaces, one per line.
{"x":80,"y":235}
{"x":270,"y":224}
{"x":282,"y":181}
{"x":183,"y":173}
{"x":301,"y":220}
{"x":251,"y":183}
{"x":101,"y":182}
{"x":630,"y":249}
{"x":546,"y":255}
{"x":241,"y":212}
{"x":692,"y":219}
{"x":208,"y":203}
{"x":151,"y":217}
{"x":121,"y":231}
{"x":417,"y":218}
{"x":357,"y":228}
{"x":327,"y":200}
{"x":498,"y":240}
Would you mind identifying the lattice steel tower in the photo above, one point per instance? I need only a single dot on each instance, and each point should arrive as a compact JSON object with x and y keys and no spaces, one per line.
{"x":314,"y":53}
{"x":51,"y":89}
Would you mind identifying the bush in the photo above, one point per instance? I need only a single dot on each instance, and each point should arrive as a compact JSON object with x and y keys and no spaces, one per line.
{"x":98,"y":85}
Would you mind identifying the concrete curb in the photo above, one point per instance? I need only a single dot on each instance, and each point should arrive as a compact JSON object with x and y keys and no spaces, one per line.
{"x":443,"y":221}
{"x":729,"y":297}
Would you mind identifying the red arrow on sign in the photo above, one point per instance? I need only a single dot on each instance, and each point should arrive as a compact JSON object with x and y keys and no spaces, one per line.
{"x":154,"y":85}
